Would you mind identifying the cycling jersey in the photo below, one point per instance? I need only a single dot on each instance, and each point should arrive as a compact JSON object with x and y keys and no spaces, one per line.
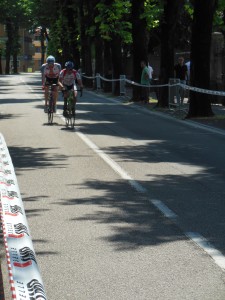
{"x":68,"y":78}
{"x":51,"y":71}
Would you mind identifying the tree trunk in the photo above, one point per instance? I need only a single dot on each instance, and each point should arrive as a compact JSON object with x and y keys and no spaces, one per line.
{"x":9,"y":43}
{"x":86,"y":45}
{"x":16,"y":47}
{"x":107,"y":67}
{"x":140,"y":43}
{"x":172,"y":9}
{"x":200,"y":105}
{"x":15,"y":65}
{"x":1,"y":62}
{"x":98,"y":53}
{"x":116,"y":62}
{"x":42,"y":49}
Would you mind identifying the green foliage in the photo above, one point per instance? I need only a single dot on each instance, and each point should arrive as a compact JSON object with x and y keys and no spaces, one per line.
{"x":218,"y":21}
{"x":113,"y":20}
{"x":152,"y":13}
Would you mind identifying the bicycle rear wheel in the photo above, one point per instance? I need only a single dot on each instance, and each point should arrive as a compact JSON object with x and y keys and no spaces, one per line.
{"x":67,"y":120}
{"x":50,"y":110}
{"x":73,"y":120}
{"x":50,"y":117}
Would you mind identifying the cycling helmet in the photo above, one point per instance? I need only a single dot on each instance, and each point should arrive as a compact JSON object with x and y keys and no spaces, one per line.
{"x":69,"y":65}
{"x":50,"y":59}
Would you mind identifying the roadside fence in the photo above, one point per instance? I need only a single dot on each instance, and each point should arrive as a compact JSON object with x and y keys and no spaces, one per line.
{"x":176,"y":89}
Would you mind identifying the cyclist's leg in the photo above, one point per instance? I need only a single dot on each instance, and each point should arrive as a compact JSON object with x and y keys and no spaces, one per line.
{"x":47,"y":82}
{"x":65,"y":104}
{"x":55,"y":92}
{"x":65,"y":96}
{"x":74,"y":99}
{"x":46,"y":95}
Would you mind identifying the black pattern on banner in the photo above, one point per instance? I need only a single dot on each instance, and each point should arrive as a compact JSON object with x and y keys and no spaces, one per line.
{"x":21,"y":228}
{"x":36,"y":290}
{"x":15,"y":209}
{"x":27,"y":254}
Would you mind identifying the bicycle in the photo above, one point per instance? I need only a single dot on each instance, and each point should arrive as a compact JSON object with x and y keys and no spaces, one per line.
{"x":71,"y":108}
{"x":51,"y":104}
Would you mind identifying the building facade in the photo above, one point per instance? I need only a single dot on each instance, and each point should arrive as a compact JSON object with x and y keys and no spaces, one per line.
{"x":25,"y":60}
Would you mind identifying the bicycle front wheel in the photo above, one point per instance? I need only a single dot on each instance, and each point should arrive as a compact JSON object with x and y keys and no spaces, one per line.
{"x":50,"y":117}
{"x":50,"y":110}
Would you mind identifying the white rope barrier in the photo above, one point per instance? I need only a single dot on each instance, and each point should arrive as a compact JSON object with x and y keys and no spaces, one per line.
{"x":200,"y":90}
{"x":133,"y":83}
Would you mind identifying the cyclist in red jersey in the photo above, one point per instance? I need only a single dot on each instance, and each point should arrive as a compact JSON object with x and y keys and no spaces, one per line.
{"x":67,"y":78}
{"x":50,"y":75}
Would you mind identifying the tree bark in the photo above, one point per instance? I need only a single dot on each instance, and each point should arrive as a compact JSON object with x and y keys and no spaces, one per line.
{"x":140,"y":43}
{"x":200,"y":105}
{"x":16,"y":47}
{"x":86,"y":45}
{"x":9,"y":43}
{"x":117,"y":69}
{"x":1,"y":62}
{"x":107,"y":66}
{"x":172,"y":9}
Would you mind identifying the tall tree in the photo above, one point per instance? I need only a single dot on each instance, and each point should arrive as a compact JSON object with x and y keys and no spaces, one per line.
{"x":200,"y":105}
{"x":114,"y":28}
{"x":86,"y":11}
{"x":172,"y":10}
{"x":140,"y":42}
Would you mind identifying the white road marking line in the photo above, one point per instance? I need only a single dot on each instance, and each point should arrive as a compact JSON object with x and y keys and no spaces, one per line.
{"x":164,"y":209}
{"x":202,"y":242}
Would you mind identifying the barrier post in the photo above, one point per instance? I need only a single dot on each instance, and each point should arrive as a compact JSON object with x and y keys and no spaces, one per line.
{"x":174,"y":92}
{"x":122,"y":85}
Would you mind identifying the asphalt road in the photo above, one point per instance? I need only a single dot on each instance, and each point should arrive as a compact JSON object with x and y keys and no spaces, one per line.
{"x":129,"y":205}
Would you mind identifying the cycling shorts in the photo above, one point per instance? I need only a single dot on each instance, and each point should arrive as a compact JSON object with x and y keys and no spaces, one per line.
{"x":49,"y":81}
{"x":69,"y":87}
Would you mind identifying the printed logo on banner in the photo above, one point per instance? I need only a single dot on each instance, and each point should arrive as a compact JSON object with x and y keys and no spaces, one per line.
{"x":12,"y":210}
{"x":36,"y":290}
{"x":26,"y":255}
{"x":9,"y":194}
{"x":5,"y":171}
{"x":19,"y":230}
{"x":7,"y":182}
{"x":5,"y":163}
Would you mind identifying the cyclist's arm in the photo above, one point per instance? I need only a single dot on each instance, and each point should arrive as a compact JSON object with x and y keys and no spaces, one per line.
{"x":43,"y":74}
{"x":79,"y":81}
{"x":60,"y":83}
{"x":43,"y":79}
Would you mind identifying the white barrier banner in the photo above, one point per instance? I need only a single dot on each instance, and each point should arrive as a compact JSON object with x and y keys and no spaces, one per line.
{"x":24,"y":275}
